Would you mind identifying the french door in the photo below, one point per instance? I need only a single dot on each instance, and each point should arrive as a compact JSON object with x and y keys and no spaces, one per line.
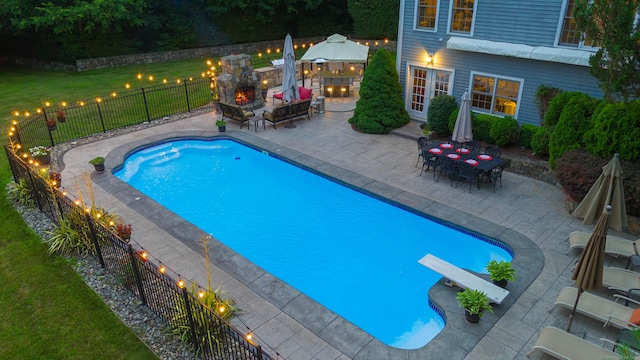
{"x":423,"y":85}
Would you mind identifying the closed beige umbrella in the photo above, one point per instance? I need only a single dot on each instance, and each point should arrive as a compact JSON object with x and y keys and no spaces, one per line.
{"x":588,"y":271}
{"x":462,"y":129}
{"x":607,"y":190}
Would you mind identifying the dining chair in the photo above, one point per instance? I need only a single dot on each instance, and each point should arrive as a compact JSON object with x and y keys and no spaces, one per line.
{"x":474,"y":146}
{"x":423,"y":141}
{"x":430,"y":161}
{"x":466,"y":172}
{"x":495,"y":175}
{"x":448,"y":167}
{"x":493,"y":151}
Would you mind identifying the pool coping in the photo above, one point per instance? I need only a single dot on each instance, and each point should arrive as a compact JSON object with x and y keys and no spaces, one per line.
{"x":458,"y":337}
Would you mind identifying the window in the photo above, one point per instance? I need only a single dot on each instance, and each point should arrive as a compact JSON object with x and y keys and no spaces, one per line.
{"x":495,"y":95}
{"x":462,"y":13}
{"x":569,"y":34}
{"x":426,"y":14}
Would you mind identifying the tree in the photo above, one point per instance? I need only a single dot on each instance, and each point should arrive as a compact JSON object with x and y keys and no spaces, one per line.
{"x":380,"y":108}
{"x":375,"y":19}
{"x":611,"y":25}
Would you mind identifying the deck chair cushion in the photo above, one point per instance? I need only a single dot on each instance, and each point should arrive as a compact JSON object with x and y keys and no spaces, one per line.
{"x":635,"y":317}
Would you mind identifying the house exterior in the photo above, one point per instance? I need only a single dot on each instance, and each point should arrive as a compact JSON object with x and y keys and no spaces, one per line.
{"x":500,"y":50}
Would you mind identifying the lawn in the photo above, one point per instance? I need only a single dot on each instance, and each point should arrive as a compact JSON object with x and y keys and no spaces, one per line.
{"x":48,"y":311}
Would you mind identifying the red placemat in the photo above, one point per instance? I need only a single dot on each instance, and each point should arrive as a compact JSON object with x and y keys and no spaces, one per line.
{"x":435,"y":151}
{"x":453,"y":156}
{"x":471,"y":162}
{"x":484,"y":157}
{"x":463,"y":151}
{"x":446,"y":146}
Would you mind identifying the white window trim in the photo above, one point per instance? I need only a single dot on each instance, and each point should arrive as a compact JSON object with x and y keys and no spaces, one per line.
{"x":497,"y":77}
{"x":415,"y":18}
{"x":473,"y":20}
{"x":581,"y":45}
{"x":407,"y":87}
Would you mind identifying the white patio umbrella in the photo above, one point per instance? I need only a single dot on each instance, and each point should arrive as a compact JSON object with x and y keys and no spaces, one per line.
{"x":289,"y":81}
{"x":462,"y":130}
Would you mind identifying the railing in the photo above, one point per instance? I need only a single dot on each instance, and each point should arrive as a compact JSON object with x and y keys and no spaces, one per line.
{"x":84,"y":118}
{"x":150,"y":282}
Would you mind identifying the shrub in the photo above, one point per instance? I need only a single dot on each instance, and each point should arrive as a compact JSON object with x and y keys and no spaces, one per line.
{"x":577,"y":171}
{"x":452,"y":120}
{"x":504,"y":131}
{"x":555,"y":108}
{"x":438,"y":112}
{"x":569,"y":131}
{"x":540,"y":141}
{"x":482,"y":127}
{"x":20,"y":192}
{"x":380,"y":108}
{"x":543,"y":96}
{"x":615,"y":128}
{"x":526,"y":133}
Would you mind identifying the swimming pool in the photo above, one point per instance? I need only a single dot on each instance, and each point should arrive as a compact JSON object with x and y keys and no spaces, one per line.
{"x":352,"y":253}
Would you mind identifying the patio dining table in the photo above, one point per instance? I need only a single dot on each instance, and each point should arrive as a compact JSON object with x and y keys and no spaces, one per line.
{"x":481,"y":163}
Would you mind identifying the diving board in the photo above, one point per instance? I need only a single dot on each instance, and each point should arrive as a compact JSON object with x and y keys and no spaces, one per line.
{"x":464,"y":279}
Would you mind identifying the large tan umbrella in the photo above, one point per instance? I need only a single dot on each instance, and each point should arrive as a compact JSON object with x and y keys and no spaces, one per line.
{"x":462,"y":130}
{"x":588,"y":271}
{"x":290,"y":90}
{"x":607,"y":190}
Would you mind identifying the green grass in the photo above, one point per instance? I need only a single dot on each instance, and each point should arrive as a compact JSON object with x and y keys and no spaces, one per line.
{"x":48,"y":312}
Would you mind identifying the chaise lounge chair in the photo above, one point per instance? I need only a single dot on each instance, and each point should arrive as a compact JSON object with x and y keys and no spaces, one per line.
{"x":622,"y":280}
{"x":563,"y":345}
{"x":615,"y":246}
{"x":596,"y":307}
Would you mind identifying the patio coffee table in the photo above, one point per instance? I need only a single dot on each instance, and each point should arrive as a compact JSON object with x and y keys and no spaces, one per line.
{"x":255,"y":119}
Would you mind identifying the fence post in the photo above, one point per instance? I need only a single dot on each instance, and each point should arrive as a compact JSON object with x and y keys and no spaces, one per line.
{"x":186,"y":93}
{"x":48,"y":130}
{"x":34,"y":190}
{"x":136,"y":274}
{"x":259,"y":348}
{"x":94,"y":239}
{"x":194,"y":336}
{"x":146,"y":106}
{"x":100,"y":115}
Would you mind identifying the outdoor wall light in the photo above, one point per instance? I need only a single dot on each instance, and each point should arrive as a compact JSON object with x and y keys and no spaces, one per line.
{"x":429,"y":59}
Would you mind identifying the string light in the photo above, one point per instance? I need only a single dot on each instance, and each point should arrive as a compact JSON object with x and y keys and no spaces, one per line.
{"x":221,"y":309}
{"x":181,"y":284}
{"x":64,"y":104}
{"x":162,"y":269}
{"x":139,"y":76}
{"x":46,"y":103}
{"x":178,"y":81}
{"x":114,"y":94}
{"x":150,"y":77}
{"x":127,"y":85}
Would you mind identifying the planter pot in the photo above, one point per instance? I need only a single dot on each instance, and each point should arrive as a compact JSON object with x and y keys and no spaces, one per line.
{"x":52,"y":127}
{"x":44,"y":159}
{"x":62,"y":118}
{"x":264,"y":94}
{"x":99,"y":167}
{"x":471,"y":318}
{"x":501,"y":283}
{"x":222,"y":128}
{"x":125,"y":237}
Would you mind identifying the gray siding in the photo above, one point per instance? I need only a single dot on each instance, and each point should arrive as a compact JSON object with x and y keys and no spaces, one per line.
{"x":531,"y":22}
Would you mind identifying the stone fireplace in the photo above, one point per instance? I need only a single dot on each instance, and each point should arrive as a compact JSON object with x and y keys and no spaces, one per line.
{"x":238,"y":84}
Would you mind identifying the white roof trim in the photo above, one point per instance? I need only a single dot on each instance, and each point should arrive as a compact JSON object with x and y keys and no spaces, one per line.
{"x":542,"y":53}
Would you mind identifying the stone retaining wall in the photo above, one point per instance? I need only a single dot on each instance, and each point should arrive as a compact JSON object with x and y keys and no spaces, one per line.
{"x":214,"y":51}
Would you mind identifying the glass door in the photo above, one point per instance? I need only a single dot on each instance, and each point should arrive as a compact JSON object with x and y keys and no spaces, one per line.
{"x":424,"y":84}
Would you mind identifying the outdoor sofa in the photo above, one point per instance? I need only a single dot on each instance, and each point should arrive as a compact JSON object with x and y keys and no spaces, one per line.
{"x":235,"y":112}
{"x":287,"y":111}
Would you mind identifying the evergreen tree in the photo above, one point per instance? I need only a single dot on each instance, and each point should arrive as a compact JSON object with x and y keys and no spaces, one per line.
{"x":380,"y":108}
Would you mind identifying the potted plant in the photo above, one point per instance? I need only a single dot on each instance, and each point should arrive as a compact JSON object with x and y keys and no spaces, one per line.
{"x":501,"y":272}
{"x":98,"y":163}
{"x":55,"y":178}
{"x":41,"y":154}
{"x":124,"y":231}
{"x":222,"y":125}
{"x":52,"y":124}
{"x":475,"y":303}
{"x":61,"y":116}
{"x":426,"y":131}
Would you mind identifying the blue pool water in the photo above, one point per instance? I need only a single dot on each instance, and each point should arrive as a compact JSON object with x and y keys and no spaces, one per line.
{"x":356,"y":255}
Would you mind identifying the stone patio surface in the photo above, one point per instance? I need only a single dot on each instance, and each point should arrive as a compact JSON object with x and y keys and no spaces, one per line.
{"x":526,"y":214}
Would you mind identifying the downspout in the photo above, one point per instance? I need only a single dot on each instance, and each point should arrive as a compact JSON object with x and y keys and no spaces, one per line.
{"x":400,"y":35}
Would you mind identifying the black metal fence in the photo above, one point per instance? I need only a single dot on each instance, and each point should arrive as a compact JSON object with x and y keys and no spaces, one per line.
{"x":149,"y":281}
{"x":65,"y":122}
